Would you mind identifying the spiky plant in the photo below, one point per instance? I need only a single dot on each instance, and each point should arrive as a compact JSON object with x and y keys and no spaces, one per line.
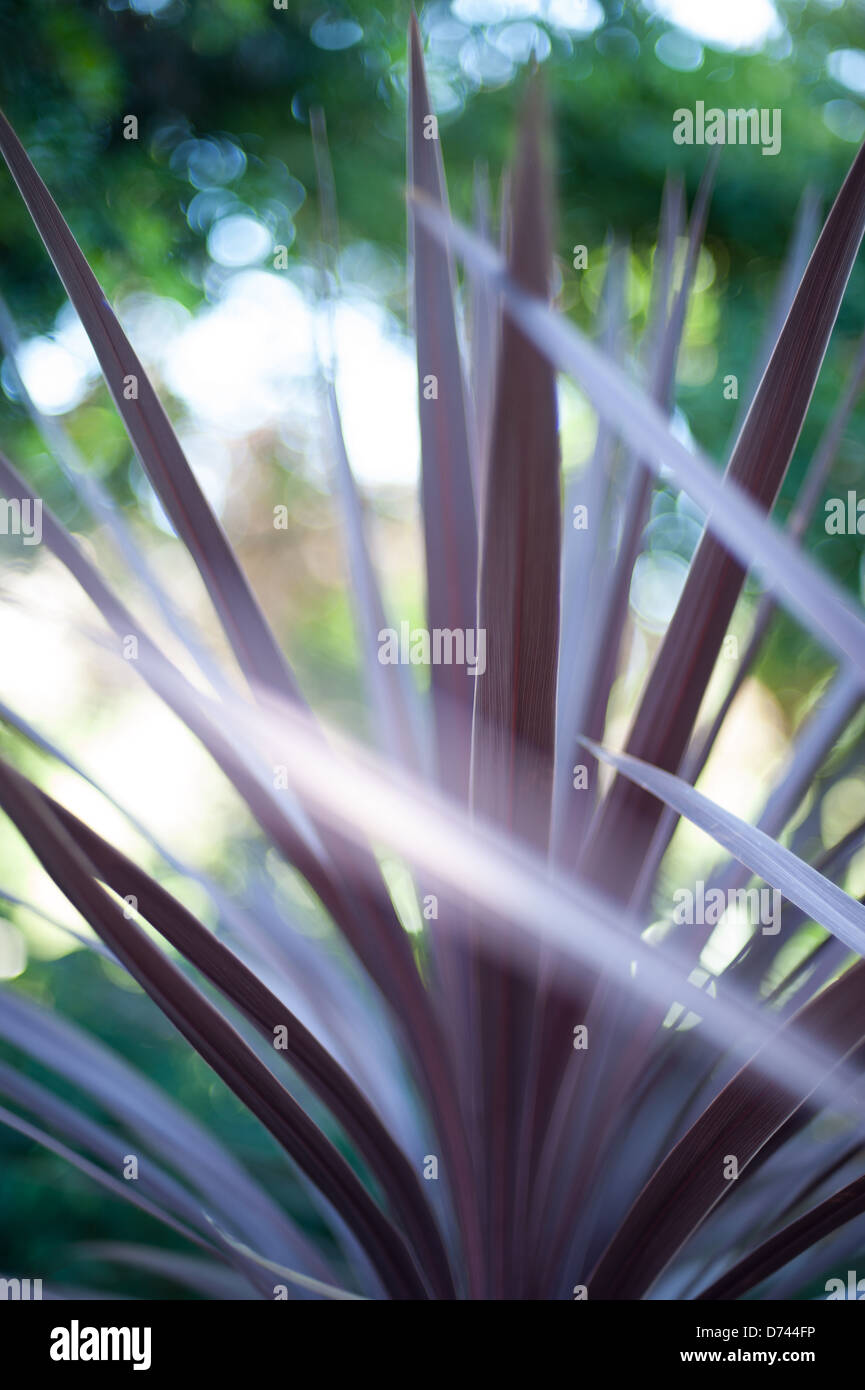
{"x":574,"y":1106}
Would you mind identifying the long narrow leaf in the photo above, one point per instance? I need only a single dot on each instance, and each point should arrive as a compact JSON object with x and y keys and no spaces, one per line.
{"x":798,"y":881}
{"x":210,"y":1035}
{"x":152,"y":435}
{"x":732,"y":515}
{"x":449,"y":513}
{"x":759,"y":461}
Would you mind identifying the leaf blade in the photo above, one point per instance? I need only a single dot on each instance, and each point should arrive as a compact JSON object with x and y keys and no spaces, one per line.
{"x":152,"y":435}
{"x":449,"y":513}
